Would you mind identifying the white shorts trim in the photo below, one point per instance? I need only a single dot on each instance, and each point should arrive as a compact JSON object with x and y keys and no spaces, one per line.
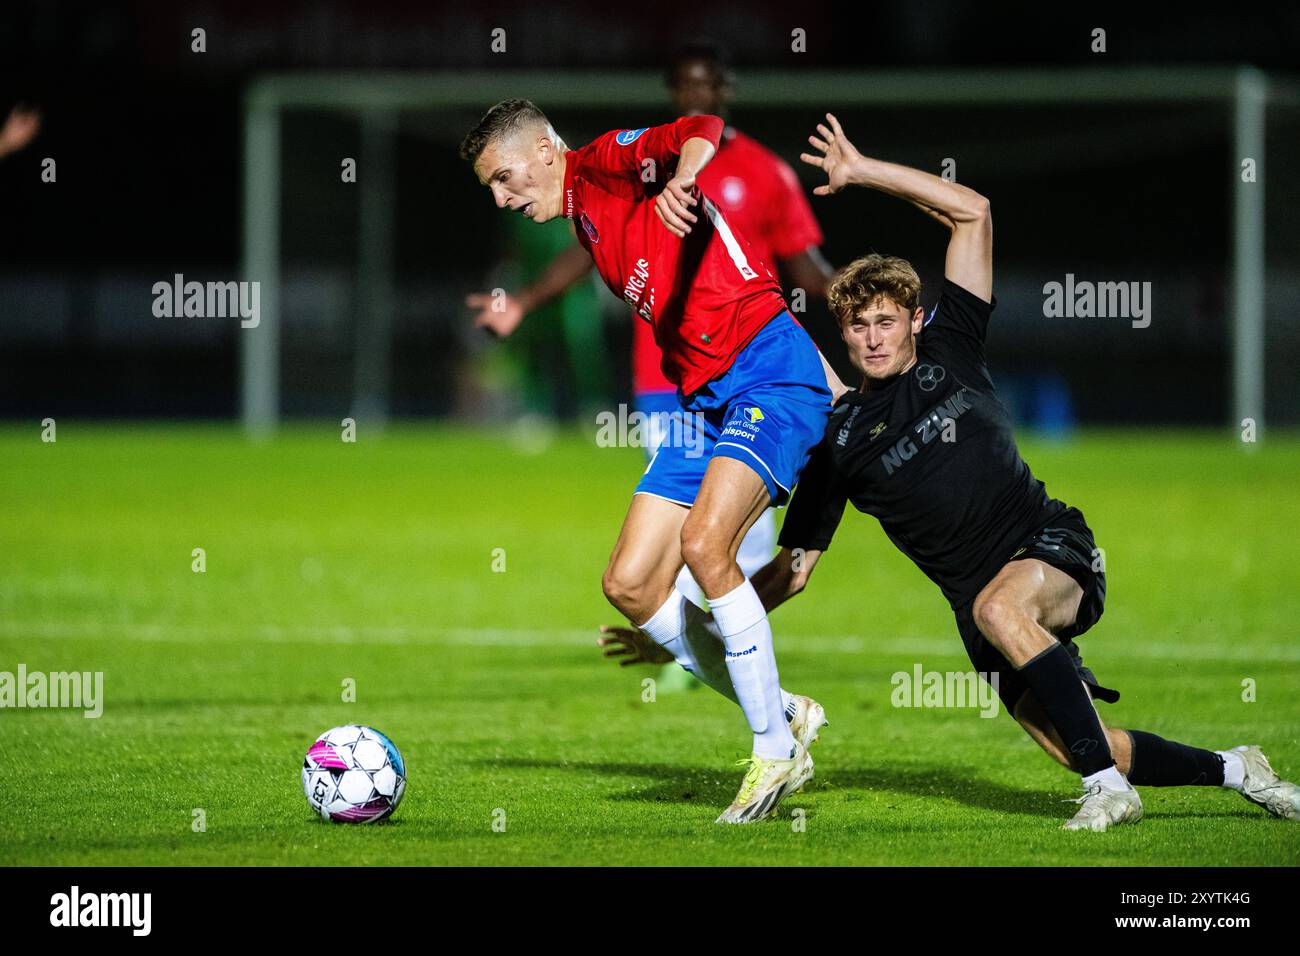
{"x":684,"y":504}
{"x":733,"y":444}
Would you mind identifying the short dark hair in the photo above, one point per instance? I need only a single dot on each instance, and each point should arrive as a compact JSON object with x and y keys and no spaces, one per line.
{"x":704,"y":51}
{"x":503,"y":119}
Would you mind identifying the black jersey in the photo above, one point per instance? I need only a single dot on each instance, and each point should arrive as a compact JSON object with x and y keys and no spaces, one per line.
{"x":931,"y":455}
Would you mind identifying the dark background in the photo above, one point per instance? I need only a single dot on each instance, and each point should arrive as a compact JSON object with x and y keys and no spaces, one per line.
{"x":148,"y":139}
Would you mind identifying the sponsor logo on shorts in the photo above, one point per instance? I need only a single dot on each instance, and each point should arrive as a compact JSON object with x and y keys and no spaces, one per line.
{"x":742,"y":653}
{"x":745,"y":425}
{"x":1050,"y":541}
{"x":589,"y":229}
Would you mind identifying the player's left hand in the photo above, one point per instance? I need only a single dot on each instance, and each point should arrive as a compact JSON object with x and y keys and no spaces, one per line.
{"x":632,"y":644}
{"x":673,"y":205}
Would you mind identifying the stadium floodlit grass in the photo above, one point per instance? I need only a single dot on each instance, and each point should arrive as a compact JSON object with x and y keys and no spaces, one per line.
{"x":374,"y":561}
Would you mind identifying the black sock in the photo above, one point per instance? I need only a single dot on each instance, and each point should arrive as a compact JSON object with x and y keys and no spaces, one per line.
{"x":1166,"y":763}
{"x":1055,"y":682}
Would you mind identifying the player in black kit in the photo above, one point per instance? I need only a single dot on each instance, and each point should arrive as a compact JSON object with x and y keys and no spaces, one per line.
{"x":925,"y":446}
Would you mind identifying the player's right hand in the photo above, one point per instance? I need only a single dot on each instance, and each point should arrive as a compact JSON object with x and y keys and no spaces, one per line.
{"x":633,"y":644}
{"x":500,"y":315}
{"x":839,"y":157}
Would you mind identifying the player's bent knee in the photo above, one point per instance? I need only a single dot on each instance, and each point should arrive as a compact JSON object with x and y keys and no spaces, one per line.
{"x":704,"y":552}
{"x":624,"y":592}
{"x":996,"y":615}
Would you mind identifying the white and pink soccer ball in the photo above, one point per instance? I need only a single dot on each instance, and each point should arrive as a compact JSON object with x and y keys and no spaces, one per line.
{"x":353,"y":774}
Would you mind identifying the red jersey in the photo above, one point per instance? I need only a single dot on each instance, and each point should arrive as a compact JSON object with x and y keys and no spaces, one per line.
{"x":761,"y":197}
{"x":705,"y":295}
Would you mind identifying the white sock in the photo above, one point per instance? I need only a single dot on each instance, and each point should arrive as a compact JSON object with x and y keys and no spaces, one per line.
{"x":755,"y":551}
{"x":751,"y":661}
{"x":667,"y":628}
{"x":706,"y":648}
{"x":759,"y":544}
{"x":1110,"y":778}
{"x":1234,"y":770}
{"x":692,"y":591}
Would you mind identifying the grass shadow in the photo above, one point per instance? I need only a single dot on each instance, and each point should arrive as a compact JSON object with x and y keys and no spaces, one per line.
{"x":666,"y":783}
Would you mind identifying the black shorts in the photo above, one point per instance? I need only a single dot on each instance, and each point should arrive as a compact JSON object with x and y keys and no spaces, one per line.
{"x":1066,"y":543}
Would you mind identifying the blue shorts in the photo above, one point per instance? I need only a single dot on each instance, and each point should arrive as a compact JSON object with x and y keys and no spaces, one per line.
{"x":768,"y":410}
{"x":658,"y":409}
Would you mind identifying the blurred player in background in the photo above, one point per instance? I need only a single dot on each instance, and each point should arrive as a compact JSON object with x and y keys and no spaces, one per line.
{"x":754,"y":387}
{"x":761,"y":197}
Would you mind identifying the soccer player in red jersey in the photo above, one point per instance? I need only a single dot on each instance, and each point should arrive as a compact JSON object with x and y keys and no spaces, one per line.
{"x":760,"y":196}
{"x":752,"y":383}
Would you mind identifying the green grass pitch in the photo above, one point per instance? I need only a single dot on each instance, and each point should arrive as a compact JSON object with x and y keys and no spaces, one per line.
{"x":374,"y":561}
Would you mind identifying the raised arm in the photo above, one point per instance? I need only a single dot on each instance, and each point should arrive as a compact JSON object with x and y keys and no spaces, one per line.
{"x":969,"y":261}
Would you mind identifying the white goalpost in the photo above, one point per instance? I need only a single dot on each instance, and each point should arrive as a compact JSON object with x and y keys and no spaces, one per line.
{"x":376,"y":100}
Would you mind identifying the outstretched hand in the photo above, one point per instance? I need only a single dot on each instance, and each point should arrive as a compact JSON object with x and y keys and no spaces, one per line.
{"x":838,"y":158}
{"x":632,"y":644}
{"x":499,"y":315}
